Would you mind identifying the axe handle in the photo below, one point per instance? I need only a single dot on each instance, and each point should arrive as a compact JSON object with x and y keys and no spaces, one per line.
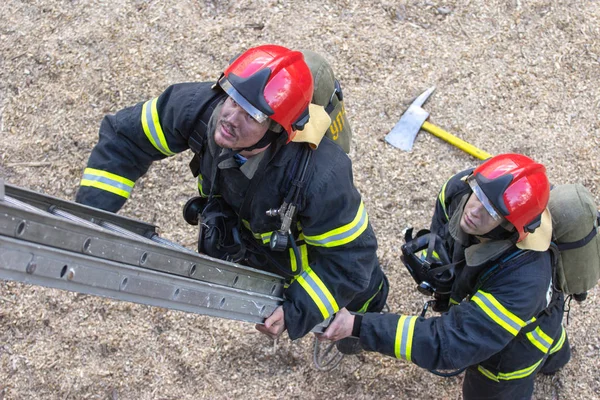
{"x":453,"y":140}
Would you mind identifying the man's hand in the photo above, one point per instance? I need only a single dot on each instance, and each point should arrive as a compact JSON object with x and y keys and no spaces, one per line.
{"x":340,"y":327}
{"x":274,"y":325}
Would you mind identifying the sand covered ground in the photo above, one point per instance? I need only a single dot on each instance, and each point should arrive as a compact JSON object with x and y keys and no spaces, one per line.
{"x":511,"y":76}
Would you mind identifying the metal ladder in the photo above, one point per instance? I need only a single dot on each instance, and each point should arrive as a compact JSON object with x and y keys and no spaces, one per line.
{"x":60,"y":244}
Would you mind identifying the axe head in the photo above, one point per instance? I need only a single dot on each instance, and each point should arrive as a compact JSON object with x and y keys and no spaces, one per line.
{"x":405,"y":131}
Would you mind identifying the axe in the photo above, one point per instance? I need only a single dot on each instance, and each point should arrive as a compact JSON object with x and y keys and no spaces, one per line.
{"x":403,"y":134}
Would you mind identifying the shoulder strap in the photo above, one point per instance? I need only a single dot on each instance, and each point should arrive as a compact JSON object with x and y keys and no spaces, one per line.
{"x":580,"y":242}
{"x":495,"y":268}
{"x":299,"y":174}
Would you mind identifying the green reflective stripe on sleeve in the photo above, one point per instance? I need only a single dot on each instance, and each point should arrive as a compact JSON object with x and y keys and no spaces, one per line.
{"x":107,"y":181}
{"x":152,"y":128}
{"x":303,"y":255}
{"x":560,"y":343}
{"x":508,"y":376}
{"x":496,"y":311}
{"x":404,"y":337}
{"x":318,"y":292}
{"x":540,"y":340}
{"x":442,"y":200}
{"x":344,"y":234}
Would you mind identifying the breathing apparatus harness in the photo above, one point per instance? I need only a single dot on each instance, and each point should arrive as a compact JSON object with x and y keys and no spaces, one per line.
{"x":221,"y":233}
{"x":287,"y":210}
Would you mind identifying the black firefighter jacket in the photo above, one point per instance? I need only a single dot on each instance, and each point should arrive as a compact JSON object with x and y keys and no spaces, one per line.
{"x":504,"y":329}
{"x":338,"y":266}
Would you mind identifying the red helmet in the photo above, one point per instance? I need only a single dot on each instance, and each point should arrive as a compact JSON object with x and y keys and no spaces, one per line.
{"x":515,"y":187}
{"x":271,"y":82}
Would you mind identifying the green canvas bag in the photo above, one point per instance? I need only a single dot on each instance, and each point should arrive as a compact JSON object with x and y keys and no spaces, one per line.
{"x":328,"y":93}
{"x":575,"y":221}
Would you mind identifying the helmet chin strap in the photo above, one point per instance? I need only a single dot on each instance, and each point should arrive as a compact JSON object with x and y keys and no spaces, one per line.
{"x":269,"y":137}
{"x":501,"y":233}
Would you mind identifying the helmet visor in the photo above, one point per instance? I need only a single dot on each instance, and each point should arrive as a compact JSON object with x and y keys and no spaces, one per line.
{"x":484,"y":199}
{"x":255,"y":113}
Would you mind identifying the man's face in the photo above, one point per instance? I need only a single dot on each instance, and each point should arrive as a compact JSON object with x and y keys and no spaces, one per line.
{"x":236,"y":129}
{"x":475,"y":219}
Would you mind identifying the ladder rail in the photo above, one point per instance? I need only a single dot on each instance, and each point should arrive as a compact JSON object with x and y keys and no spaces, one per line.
{"x":54,"y":231}
{"x":43,"y":202}
{"x":60,"y":244}
{"x":36,"y":264}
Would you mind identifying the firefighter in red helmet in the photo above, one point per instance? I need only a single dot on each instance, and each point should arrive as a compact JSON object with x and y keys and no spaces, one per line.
{"x":242,"y":130}
{"x":502,"y":317}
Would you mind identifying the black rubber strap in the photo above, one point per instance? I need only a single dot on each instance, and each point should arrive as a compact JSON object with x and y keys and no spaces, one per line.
{"x":356,"y":325}
{"x":579,"y":243}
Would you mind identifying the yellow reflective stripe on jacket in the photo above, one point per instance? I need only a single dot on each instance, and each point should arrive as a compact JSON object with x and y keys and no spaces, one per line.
{"x":318,"y":292}
{"x":265,"y":238}
{"x":404,"y":337}
{"x":200,"y":180}
{"x":507,"y":376}
{"x":540,"y":340}
{"x":107,"y":181}
{"x":152,"y":128}
{"x":363,"y":309}
{"x":442,"y":200}
{"x":496,"y":311}
{"x":344,"y":234}
{"x":560,"y":343}
{"x":303,"y":258}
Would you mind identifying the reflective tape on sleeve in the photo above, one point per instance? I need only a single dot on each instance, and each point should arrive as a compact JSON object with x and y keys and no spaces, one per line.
{"x":404,"y":337}
{"x":107,"y":181}
{"x":498,"y":313}
{"x":318,"y":292}
{"x":344,"y":234}
{"x":152,"y":128}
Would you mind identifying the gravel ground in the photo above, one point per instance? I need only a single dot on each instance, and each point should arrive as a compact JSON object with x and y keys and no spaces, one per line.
{"x":511,"y":76}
